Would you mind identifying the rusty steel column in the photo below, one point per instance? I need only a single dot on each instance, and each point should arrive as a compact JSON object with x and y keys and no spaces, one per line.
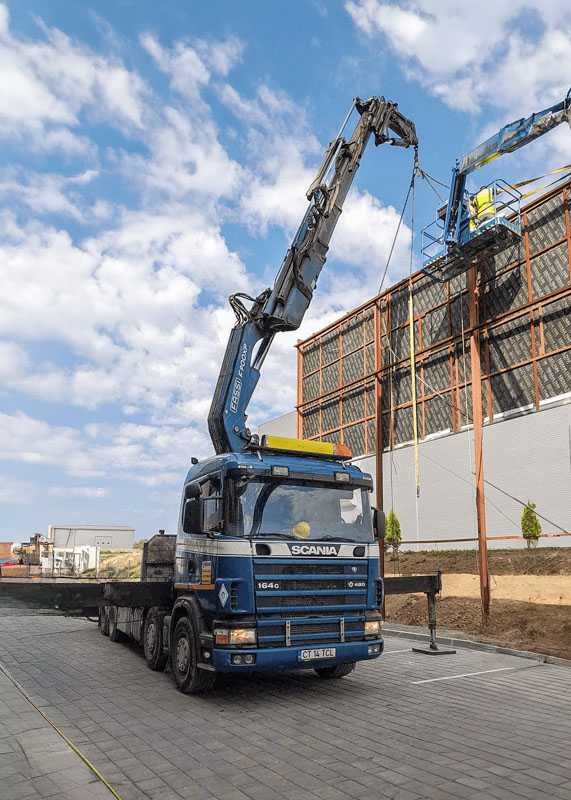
{"x":477,"y":417}
{"x":379,"y":431}
{"x":298,"y":391}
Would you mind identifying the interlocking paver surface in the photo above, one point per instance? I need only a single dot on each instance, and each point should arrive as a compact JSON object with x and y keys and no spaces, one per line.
{"x":391,"y":730}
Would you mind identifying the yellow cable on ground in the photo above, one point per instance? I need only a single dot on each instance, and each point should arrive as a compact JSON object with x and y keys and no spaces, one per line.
{"x":69,"y":743}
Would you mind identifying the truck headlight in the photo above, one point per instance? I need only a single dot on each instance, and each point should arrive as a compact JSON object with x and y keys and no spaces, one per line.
{"x":373,"y":627}
{"x":235,"y":636}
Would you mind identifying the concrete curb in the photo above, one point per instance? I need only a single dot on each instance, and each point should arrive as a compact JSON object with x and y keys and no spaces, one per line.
{"x":406,"y":632}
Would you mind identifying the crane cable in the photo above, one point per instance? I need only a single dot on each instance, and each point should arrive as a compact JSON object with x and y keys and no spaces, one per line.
{"x":415,"y":167}
{"x":395,"y":237}
{"x":412,"y":356}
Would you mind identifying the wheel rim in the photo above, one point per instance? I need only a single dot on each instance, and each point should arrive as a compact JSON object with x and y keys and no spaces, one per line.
{"x":182,"y":655}
{"x":151,"y":636}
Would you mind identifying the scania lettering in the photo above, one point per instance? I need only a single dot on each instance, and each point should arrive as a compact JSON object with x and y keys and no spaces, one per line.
{"x":314,"y":550}
{"x":275,"y":564}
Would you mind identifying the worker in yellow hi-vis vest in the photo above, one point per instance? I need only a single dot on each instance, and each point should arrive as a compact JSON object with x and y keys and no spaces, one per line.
{"x":482,"y":207}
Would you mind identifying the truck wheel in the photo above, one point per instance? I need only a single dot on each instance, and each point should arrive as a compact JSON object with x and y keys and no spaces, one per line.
{"x":114,"y":633}
{"x":338,"y":671}
{"x":155,"y":656}
{"x":104,"y":621}
{"x":184,"y":661}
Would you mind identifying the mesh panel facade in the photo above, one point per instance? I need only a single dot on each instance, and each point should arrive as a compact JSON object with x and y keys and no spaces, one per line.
{"x":360,"y":366}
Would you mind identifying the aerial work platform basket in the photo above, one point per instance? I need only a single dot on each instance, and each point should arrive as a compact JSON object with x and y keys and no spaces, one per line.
{"x":490,"y":222}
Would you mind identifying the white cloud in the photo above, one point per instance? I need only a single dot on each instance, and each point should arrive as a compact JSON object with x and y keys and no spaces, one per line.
{"x":125,"y":303}
{"x":14,"y":492}
{"x":186,"y":157}
{"x":131,"y":452}
{"x":135,"y":310}
{"x":503,"y":53}
{"x":85,"y":492}
{"x":46,"y":84}
{"x":504,"y":56}
{"x":42,"y":193}
{"x":190,"y":66}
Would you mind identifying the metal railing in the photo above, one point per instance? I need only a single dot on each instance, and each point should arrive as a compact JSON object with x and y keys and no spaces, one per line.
{"x":502,"y":209}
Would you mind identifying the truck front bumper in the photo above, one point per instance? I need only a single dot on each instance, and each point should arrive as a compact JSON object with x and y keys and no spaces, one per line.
{"x":271,"y":659}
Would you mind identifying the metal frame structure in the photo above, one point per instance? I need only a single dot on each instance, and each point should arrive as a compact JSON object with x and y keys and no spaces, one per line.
{"x":356,"y":371}
{"x":486,"y":343}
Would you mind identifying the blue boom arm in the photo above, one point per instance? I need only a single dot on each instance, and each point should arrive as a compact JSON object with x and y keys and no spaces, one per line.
{"x":283,"y":307}
{"x":511,"y":137}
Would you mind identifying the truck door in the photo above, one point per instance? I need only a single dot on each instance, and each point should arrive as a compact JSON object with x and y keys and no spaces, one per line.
{"x":197,"y":548}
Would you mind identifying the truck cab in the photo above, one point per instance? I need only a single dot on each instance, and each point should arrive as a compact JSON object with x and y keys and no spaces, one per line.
{"x":277,"y":563}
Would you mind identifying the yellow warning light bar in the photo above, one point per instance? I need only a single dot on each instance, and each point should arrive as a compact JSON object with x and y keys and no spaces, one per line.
{"x":311,"y":447}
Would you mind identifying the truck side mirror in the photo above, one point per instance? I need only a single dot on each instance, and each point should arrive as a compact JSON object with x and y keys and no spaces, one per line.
{"x":192,"y":490}
{"x":192,"y":517}
{"x":379,"y":523}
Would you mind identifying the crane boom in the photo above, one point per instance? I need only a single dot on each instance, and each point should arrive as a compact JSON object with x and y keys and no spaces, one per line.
{"x":283,"y":307}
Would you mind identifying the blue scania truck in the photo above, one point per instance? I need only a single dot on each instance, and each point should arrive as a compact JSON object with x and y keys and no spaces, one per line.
{"x":275,"y":565}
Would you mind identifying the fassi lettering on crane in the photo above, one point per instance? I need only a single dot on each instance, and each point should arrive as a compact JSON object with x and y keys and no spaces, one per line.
{"x":237,"y":390}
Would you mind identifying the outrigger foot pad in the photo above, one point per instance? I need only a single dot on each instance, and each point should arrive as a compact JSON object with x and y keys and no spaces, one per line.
{"x":434,"y":651}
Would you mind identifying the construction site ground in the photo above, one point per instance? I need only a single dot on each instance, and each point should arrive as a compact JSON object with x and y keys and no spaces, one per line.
{"x":531,"y":596}
{"x":406,"y":726}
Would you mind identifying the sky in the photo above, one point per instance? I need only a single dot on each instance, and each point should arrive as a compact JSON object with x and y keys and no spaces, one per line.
{"x":154,"y":158}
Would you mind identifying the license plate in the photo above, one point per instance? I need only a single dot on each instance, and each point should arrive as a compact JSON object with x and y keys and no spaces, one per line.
{"x":316,"y":653}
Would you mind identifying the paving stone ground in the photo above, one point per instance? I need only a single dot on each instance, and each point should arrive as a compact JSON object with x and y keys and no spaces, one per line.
{"x":406,"y":726}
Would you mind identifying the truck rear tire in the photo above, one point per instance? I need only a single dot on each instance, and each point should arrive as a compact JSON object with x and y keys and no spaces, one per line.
{"x":184,"y":660}
{"x":338,"y":671}
{"x":104,"y":621}
{"x":155,"y":655}
{"x":114,"y":633}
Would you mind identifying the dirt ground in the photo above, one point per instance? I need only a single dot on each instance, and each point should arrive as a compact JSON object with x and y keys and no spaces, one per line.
{"x":122,"y":564}
{"x":536,"y":626}
{"x":540,"y":589}
{"x":541,"y":561}
{"x":524,"y":626}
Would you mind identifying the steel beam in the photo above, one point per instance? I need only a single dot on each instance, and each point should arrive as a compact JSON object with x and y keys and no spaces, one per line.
{"x":477,"y":418}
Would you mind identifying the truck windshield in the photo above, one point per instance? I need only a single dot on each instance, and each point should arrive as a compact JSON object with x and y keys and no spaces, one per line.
{"x":300,"y":511}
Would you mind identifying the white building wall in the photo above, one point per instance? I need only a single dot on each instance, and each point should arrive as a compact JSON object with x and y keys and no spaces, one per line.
{"x":109,"y":537}
{"x":286,"y":425}
{"x":528,"y":457}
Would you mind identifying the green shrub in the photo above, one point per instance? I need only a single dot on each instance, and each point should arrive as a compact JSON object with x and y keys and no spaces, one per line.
{"x":530,"y":525}
{"x":393,"y":535}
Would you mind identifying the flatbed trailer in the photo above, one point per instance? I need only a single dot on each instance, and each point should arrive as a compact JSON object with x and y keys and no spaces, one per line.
{"x":96,"y":598}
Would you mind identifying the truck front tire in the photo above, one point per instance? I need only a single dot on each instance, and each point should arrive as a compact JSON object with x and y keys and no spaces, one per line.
{"x":155,"y":655}
{"x":184,"y":660}
{"x":338,"y":671}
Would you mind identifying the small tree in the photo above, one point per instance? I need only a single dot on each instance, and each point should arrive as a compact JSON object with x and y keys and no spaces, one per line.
{"x":392,"y":532}
{"x":530,"y":525}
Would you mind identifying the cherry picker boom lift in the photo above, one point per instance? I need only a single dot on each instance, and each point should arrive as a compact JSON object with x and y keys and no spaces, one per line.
{"x":488,"y":219}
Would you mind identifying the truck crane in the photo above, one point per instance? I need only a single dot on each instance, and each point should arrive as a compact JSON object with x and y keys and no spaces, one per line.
{"x":489,"y":218}
{"x":275,"y":564}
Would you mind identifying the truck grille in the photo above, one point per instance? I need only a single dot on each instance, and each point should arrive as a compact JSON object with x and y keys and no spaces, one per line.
{"x":307,"y":602}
